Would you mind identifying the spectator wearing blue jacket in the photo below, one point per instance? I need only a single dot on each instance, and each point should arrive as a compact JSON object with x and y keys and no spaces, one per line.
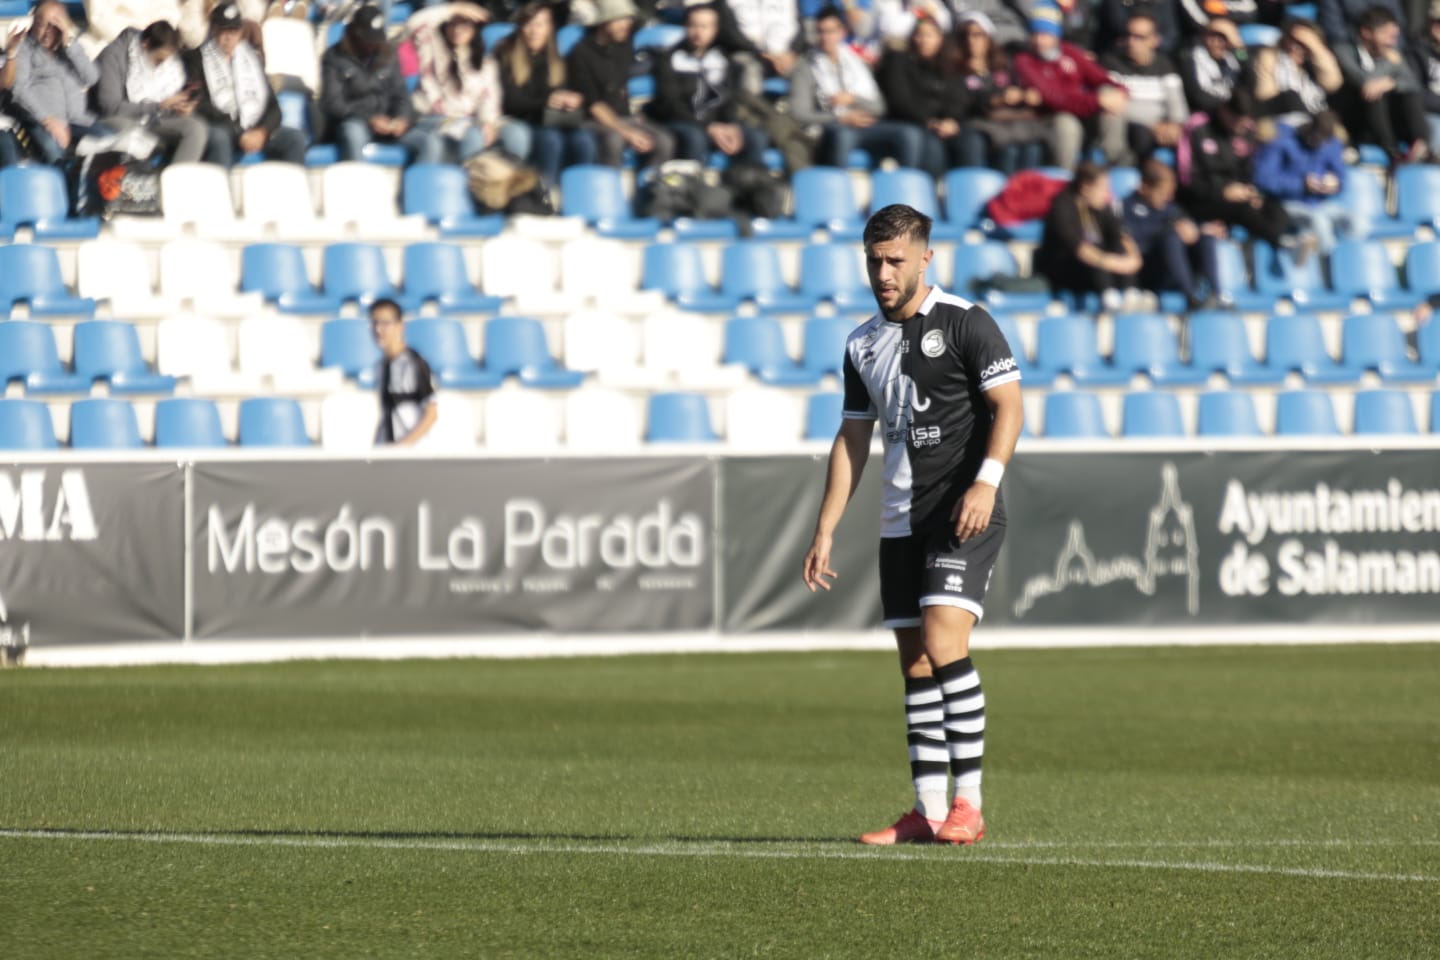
{"x":1173,"y":248}
{"x":1305,"y":170}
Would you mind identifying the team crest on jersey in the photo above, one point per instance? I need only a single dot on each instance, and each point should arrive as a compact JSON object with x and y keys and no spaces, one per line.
{"x":932,"y":344}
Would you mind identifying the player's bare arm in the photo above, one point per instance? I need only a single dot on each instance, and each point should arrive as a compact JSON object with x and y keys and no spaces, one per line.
{"x":847,"y":462}
{"x":972,"y":512}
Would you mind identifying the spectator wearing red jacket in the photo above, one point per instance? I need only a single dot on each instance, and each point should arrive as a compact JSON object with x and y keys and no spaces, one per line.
{"x":1088,"y":103}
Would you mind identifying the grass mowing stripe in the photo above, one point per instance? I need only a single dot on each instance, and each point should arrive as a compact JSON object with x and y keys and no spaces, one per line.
{"x":699,"y":849}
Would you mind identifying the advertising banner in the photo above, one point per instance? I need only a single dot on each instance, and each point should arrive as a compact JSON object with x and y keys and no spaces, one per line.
{"x":337,"y":548}
{"x":91,"y":552}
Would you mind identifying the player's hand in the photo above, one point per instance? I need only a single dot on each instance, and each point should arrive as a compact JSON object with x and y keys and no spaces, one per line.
{"x":972,"y":512}
{"x":817,"y":565}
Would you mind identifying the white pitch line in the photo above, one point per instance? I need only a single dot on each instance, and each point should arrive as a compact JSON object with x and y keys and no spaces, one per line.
{"x":700,"y":849}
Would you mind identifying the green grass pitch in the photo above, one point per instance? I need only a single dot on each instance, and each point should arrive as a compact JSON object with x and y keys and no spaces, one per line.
{"x":1243,"y":802}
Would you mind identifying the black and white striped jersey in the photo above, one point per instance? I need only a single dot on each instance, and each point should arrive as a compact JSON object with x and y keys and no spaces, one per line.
{"x":923,"y":379}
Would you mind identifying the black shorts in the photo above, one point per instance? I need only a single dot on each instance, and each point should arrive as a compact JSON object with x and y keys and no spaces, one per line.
{"x":936,"y":569}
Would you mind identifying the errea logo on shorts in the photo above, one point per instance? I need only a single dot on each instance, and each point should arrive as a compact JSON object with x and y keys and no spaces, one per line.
{"x":954,"y":583}
{"x":997,"y":368}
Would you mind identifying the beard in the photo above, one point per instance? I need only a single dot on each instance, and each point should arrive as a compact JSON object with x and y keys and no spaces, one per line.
{"x":905,"y":291}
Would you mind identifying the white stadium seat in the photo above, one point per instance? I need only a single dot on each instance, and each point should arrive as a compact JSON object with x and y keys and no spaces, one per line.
{"x":762,"y":418}
{"x":348,"y":420}
{"x":276,"y":196}
{"x":361,"y":199}
{"x":521,"y":419}
{"x":600,"y":420}
{"x":608,"y":346}
{"x":685,"y":348}
{"x":290,"y":50}
{"x":200,"y":349}
{"x":284,"y":351}
{"x":120,"y":273}
{"x":204,"y":277}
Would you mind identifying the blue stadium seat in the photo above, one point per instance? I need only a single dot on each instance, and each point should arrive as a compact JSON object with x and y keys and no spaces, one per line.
{"x":678,"y":418}
{"x":356,"y":272}
{"x":28,"y":354}
{"x":517,"y":346}
{"x":493,"y":33}
{"x":1384,"y":412}
{"x":188,"y":422}
{"x":298,"y":113}
{"x":1295,"y":342}
{"x":1227,"y":413}
{"x":750,"y":270}
{"x":1362,"y":268}
{"x":823,"y":345}
{"x":1234,"y":279}
{"x":676,"y":270}
{"x":823,"y":197}
{"x":1259,"y":34}
{"x":437,"y":271}
{"x":1278,"y":275}
{"x":1074,"y":416}
{"x":567,"y":36}
{"x":441,"y":341}
{"x":1422,"y":268}
{"x":659,"y":36}
{"x":36,"y":196}
{"x":914,"y":188}
{"x":975,"y":263}
{"x":1219,"y":343}
{"x":110,"y":350}
{"x":1427,"y":339}
{"x":1124,"y":181}
{"x":30,"y":273}
{"x":1373,"y":341}
{"x":1417,"y":194}
{"x":277,"y":272}
{"x":441,"y":194}
{"x":272,"y":422}
{"x":822,"y":415}
{"x":758,"y":344}
{"x":1435,"y":411}
{"x":26,"y":425}
{"x":347,"y":343}
{"x":1363,"y":194}
{"x":1031,"y":376}
{"x":1305,"y":412}
{"x":1151,"y":413}
{"x":104,"y":423}
{"x":835,"y":272}
{"x":595,"y":193}
{"x":967,"y":190}
{"x":1068,"y":345}
{"x":1144,"y":343}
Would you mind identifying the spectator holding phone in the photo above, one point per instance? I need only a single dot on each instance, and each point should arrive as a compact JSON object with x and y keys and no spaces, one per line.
{"x":143,"y":84}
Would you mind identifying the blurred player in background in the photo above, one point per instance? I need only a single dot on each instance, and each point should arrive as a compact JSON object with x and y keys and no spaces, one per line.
{"x":407,"y":390}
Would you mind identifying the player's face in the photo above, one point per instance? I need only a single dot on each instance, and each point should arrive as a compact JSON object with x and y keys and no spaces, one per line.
{"x":895,"y":268}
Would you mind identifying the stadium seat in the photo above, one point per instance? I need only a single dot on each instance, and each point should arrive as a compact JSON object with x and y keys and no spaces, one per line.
{"x":520,"y":268}
{"x":1068,"y":345}
{"x":1435,"y":411}
{"x":516,"y":346}
{"x":26,"y":425}
{"x":686,"y":348}
{"x":28,"y":354}
{"x":678,"y":418}
{"x":1295,"y":342}
{"x":357,"y":273}
{"x":606,"y":272}
{"x":441,"y":194}
{"x":1259,"y":35}
{"x":103,"y":423}
{"x":600,"y":420}
{"x":110,"y":350}
{"x":750,"y":270}
{"x":347,"y":343}
{"x":1219,"y":343}
{"x":595,"y":194}
{"x":658,"y":36}
{"x":437,"y":272}
{"x":277,"y":195}
{"x":761,"y":418}
{"x":1123,"y":182}
{"x":195,"y":197}
{"x":284,"y":350}
{"x":606,"y":345}
{"x":1417,"y":194}
{"x":1373,"y":341}
{"x":1151,"y":414}
{"x":567,"y":36}
{"x":822,"y":351}
{"x":758,"y":344}
{"x":201,"y":350}
{"x":1305,"y":412}
{"x":1233,"y":279}
{"x":441,"y":341}
{"x":30,"y":274}
{"x":188,"y":422}
{"x":203,"y":274}
{"x":916,"y":189}
{"x":1144,"y":343}
{"x":1427,"y":339}
{"x":518,"y":420}
{"x":348,"y":421}
{"x":361,"y":197}
{"x":1422,"y":268}
{"x":35,"y":195}
{"x":493,"y":33}
{"x":823,"y":197}
{"x":297,"y":111}
{"x":1362,"y":268}
{"x":975,"y":263}
{"x":1227,"y":413}
{"x":277,"y":271}
{"x":967,"y":191}
{"x":118,"y":272}
{"x":823,"y":415}
{"x":835,"y":272}
{"x":290,"y":50}
{"x":1074,"y":416}
{"x":1277,"y":275}
{"x":676,"y":270}
{"x":1363,"y":196}
{"x":1384,"y":412}
{"x":272,"y":422}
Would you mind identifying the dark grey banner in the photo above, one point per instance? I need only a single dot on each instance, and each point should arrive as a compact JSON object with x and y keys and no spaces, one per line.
{"x":284,"y":549}
{"x":91,"y":553}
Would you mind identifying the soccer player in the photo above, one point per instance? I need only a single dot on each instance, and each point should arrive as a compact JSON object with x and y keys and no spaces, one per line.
{"x":936,"y":371}
{"x":407,"y":389}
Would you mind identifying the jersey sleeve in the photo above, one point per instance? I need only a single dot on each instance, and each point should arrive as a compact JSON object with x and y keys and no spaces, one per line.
{"x":424,"y":382}
{"x":857,"y":405}
{"x":985,"y":351}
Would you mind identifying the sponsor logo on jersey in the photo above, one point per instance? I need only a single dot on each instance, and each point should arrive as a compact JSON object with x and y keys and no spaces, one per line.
{"x":932,"y":344}
{"x":954,"y":583}
{"x":997,"y":368}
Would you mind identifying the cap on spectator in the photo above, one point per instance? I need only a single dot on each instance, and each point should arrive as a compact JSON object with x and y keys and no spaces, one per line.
{"x":984,"y":22}
{"x":369,"y":24}
{"x":226,"y":17}
{"x":607,"y":10}
{"x":1046,"y":19}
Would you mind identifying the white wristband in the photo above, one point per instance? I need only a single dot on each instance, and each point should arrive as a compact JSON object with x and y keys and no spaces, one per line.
{"x":990,"y":472}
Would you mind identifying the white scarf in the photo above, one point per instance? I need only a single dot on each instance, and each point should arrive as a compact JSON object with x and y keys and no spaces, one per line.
{"x":710,"y":69}
{"x":147,"y":83}
{"x":238,"y":87}
{"x":1216,"y":77}
{"x":850,"y":75}
{"x":1289,"y":76}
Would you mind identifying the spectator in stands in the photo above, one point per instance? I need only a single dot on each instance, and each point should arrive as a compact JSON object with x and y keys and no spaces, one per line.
{"x":363,"y":94}
{"x":1171,"y":245}
{"x":1010,"y":19}
{"x":762,"y":35}
{"x":1293,"y":81}
{"x":1211,"y":67}
{"x":1003,"y":127}
{"x":1156,"y":111}
{"x":9,"y":145}
{"x":1305,"y":170}
{"x":1084,"y":248}
{"x":896,"y":19}
{"x":1217,"y":181}
{"x":922,"y":86}
{"x":599,"y":70}
{"x":1427,"y":55}
{"x":459,"y":95}
{"x":1112,"y":18}
{"x":1198,"y":15}
{"x":833,"y":91}
{"x":52,"y":78}
{"x":1087,"y":103}
{"x":696,"y":94}
{"x":408,"y":408}
{"x":1340,"y":19}
{"x":543,"y":118}
{"x":143,"y":84}
{"x":1382,"y":99}
{"x":234,"y":97}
